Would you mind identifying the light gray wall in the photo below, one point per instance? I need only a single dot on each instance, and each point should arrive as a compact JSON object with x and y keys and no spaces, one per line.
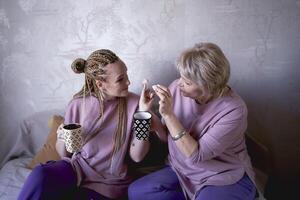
{"x":40,"y":38}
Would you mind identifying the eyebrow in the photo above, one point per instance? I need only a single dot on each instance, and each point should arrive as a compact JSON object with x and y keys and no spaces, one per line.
{"x":120,"y":76}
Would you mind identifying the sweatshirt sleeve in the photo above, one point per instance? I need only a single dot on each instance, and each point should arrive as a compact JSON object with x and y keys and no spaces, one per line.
{"x":221,"y":135}
{"x":72,"y":113}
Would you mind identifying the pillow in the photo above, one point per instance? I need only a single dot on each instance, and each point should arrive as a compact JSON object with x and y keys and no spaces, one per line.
{"x":48,"y":151}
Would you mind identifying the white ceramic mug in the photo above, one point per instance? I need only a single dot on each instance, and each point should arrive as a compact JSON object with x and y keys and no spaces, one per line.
{"x":72,"y":135}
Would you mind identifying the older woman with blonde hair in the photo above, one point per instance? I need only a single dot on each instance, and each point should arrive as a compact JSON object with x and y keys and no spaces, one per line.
{"x":206,"y":122}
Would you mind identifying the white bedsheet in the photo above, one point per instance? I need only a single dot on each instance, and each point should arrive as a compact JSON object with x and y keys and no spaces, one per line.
{"x":30,"y":137}
{"x":12,"y":177}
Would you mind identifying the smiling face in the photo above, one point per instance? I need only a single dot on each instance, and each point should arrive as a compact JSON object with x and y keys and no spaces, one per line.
{"x":116,"y":80}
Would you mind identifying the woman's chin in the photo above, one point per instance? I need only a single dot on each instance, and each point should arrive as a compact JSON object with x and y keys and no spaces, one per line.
{"x":186,"y":94}
{"x":124,"y":93}
{"x":183,"y":93}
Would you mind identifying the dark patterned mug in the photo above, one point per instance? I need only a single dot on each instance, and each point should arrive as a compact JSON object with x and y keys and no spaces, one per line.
{"x":142,"y":124}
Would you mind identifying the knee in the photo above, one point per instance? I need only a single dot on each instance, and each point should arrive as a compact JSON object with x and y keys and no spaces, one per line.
{"x":34,"y":184}
{"x":138,"y":189}
{"x":134,"y":190}
{"x":39,"y":170}
{"x":38,"y":175}
{"x":143,"y":188}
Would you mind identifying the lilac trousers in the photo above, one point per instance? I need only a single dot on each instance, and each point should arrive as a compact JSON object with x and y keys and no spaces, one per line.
{"x":55,"y":180}
{"x":164,"y":185}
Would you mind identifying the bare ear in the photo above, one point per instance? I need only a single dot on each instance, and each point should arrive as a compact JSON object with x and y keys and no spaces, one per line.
{"x":99,"y":84}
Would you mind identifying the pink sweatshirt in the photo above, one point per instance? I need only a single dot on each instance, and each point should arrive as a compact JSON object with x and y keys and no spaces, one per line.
{"x":219,"y":127}
{"x":93,"y":164}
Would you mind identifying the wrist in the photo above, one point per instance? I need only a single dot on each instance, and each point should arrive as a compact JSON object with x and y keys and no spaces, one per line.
{"x":142,"y":108}
{"x":179,"y":135}
{"x":169,"y":116}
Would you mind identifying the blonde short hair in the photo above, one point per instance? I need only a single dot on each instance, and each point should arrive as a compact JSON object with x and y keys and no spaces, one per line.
{"x":207,"y":65}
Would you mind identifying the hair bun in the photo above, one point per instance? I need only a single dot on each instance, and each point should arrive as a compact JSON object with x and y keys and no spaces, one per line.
{"x":78,"y":65}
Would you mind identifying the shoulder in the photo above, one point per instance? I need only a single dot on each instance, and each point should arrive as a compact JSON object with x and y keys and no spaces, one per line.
{"x":77,"y":101}
{"x":232,"y":102}
{"x":132,"y":104}
{"x":132,"y":98}
{"x":234,"y":99}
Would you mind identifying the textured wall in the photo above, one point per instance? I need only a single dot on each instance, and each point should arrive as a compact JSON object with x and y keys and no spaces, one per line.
{"x":40,"y":38}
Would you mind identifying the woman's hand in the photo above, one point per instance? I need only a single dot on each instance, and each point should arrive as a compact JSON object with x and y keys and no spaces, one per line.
{"x":166,"y":100}
{"x":147,"y":97}
{"x":187,"y":144}
{"x":60,"y":143}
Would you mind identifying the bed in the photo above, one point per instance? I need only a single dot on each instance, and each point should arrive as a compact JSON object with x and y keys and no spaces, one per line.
{"x":34,"y":132}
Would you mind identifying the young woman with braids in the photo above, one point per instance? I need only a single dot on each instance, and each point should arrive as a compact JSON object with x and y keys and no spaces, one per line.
{"x":105,"y":108}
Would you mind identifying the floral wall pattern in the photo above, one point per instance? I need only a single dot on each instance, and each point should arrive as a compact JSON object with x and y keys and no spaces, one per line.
{"x":40,"y":39}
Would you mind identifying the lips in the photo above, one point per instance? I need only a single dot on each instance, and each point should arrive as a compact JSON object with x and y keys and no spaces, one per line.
{"x":183,"y":92}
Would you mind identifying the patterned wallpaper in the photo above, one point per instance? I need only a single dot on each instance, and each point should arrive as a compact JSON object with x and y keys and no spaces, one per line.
{"x":40,"y":38}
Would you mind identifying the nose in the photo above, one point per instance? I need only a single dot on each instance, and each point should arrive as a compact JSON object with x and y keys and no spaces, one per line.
{"x":179,"y":83}
{"x":128,"y":81}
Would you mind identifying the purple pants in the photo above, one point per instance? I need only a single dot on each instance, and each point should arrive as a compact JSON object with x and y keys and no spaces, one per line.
{"x":55,"y":180}
{"x":164,"y":185}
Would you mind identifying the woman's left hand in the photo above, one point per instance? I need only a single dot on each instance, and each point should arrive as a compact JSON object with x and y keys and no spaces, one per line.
{"x":147,"y":97}
{"x":166,"y":100}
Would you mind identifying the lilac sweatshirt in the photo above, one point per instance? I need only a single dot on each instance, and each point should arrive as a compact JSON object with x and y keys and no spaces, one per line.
{"x":219,"y":127}
{"x":93,"y":163}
